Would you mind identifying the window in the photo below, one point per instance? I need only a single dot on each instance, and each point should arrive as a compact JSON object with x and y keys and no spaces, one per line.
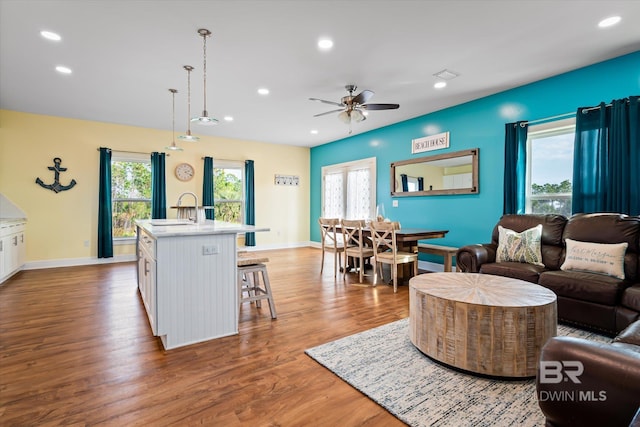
{"x":130,"y":192}
{"x":228,"y":191}
{"x":349,"y":190}
{"x":550,"y":167}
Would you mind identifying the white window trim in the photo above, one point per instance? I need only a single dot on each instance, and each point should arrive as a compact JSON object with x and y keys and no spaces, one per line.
{"x":369,"y":163}
{"x":124,"y":156}
{"x":552,"y":128}
{"x":234,"y":164}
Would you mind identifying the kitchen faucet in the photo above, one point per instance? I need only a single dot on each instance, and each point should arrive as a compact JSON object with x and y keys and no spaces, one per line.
{"x":195,"y":219}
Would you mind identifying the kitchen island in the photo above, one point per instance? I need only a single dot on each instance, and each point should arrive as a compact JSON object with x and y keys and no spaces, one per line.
{"x":187,"y":278}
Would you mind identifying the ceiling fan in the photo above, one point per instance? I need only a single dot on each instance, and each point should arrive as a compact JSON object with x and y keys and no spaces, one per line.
{"x":352,"y":107}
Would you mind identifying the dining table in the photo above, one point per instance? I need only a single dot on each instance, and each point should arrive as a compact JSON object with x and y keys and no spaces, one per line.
{"x":407,"y":240}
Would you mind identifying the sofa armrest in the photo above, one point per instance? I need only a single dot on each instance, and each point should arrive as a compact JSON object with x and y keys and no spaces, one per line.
{"x":469,"y":258}
{"x":608,"y":392}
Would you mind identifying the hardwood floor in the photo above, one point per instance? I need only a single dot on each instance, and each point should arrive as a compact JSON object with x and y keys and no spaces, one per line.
{"x":76,"y":349}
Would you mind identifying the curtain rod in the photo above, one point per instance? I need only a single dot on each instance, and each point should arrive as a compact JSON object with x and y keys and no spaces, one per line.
{"x":597,"y":107}
{"x":224,"y":160}
{"x":548,"y":119}
{"x":130,"y":152}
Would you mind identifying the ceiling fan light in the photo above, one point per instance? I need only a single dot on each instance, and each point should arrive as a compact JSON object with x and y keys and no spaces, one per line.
{"x":357,"y":116}
{"x":345,"y":117}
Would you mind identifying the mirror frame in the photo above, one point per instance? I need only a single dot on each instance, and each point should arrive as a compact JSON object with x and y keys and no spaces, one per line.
{"x":474,"y":189}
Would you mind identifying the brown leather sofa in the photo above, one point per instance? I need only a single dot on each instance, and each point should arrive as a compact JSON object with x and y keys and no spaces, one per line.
{"x":588,"y":300}
{"x":605,"y":393}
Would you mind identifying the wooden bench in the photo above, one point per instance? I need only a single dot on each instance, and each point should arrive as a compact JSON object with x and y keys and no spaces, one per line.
{"x":447,"y":252}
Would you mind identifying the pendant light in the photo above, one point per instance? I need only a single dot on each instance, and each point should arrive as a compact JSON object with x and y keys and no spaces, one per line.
{"x":173,"y":146}
{"x":188,"y":136}
{"x":204,"y":119}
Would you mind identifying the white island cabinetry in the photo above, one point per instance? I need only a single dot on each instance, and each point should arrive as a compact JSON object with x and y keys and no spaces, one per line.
{"x":187,"y":279}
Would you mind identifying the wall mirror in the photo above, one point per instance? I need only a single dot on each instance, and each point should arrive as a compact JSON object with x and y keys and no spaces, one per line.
{"x":450,"y":173}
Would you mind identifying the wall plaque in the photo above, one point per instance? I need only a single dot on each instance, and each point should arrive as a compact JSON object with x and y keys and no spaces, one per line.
{"x":430,"y":143}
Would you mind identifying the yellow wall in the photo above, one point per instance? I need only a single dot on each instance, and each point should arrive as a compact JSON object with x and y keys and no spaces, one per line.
{"x":58,"y":225}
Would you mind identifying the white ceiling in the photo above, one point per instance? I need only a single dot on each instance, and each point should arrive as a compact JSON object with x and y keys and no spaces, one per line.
{"x":126,"y":54}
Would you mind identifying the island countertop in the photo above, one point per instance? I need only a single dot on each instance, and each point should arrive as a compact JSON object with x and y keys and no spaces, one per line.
{"x":159,"y":228}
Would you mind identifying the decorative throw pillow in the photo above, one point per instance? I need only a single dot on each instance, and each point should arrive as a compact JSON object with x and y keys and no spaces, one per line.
{"x":598,"y":258}
{"x":520,"y":247}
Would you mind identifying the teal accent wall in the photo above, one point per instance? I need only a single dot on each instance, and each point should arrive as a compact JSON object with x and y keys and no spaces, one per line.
{"x":479,"y":123}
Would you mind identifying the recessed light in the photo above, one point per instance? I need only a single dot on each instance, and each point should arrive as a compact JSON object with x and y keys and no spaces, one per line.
{"x":263,"y":91}
{"x":50,"y":36}
{"x":325,"y":44}
{"x":608,"y":22}
{"x":440,"y":85}
{"x":228,"y":118}
{"x":64,"y":70}
{"x":314,"y":132}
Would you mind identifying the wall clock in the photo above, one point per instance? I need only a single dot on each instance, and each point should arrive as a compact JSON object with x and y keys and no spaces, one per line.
{"x":184,"y":172}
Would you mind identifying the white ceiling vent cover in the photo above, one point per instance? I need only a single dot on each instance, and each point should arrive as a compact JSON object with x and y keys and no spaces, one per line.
{"x":446,"y":75}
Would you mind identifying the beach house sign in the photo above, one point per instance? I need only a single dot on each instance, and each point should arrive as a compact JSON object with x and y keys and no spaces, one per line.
{"x":429,"y":143}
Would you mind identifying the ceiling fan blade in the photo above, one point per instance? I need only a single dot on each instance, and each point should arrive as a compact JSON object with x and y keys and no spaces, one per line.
{"x":325,"y":102}
{"x":362,"y":97}
{"x":328,"y":112}
{"x":380,"y":106}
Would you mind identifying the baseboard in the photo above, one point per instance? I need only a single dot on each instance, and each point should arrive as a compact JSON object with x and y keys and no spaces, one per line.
{"x":73,"y":262}
{"x":433,"y":266}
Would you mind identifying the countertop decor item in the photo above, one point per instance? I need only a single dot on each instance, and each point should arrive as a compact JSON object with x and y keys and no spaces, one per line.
{"x":56,"y":186}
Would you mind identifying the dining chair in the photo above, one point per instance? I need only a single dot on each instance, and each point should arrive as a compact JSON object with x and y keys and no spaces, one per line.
{"x":355,"y":246}
{"x":386,"y":250}
{"x":331,"y":242}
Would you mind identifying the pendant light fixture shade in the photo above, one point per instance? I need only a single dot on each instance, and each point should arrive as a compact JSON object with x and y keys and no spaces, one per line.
{"x":188,"y":136}
{"x":173,"y":146}
{"x":204,"y":119}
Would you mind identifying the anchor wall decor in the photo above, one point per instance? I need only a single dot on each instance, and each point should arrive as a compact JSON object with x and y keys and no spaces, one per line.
{"x":56,"y":186}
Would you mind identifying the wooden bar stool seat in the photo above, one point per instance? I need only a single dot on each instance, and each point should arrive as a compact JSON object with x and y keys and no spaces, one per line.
{"x":253,"y":281}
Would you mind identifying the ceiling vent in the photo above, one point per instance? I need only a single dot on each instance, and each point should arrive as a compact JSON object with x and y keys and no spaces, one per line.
{"x":446,"y":75}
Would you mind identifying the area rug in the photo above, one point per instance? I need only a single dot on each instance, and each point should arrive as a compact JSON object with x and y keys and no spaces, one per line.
{"x":383,"y":364}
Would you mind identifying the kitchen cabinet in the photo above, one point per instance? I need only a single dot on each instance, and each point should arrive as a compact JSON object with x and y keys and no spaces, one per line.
{"x":12,"y":247}
{"x":460,"y":180}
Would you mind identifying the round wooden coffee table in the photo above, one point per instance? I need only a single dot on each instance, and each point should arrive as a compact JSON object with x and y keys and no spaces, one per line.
{"x":486,"y":324}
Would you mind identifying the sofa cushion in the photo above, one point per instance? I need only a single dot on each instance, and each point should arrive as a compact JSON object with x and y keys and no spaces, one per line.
{"x":630,"y":335}
{"x":595,"y":257}
{"x":631,"y":298}
{"x":596,"y":288}
{"x":608,"y":228}
{"x":516,"y":270}
{"x":519,"y":247}
{"x":552,"y":231}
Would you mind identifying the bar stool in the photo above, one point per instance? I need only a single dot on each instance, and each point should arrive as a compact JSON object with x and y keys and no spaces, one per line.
{"x":250,"y":269}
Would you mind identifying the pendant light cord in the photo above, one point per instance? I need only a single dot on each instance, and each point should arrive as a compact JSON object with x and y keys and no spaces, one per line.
{"x":204,"y":69}
{"x":173,"y":116}
{"x":188,"y":68}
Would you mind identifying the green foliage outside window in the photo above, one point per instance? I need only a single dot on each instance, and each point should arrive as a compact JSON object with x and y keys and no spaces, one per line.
{"x":228,"y":194}
{"x":130,"y":195}
{"x":551,"y":198}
